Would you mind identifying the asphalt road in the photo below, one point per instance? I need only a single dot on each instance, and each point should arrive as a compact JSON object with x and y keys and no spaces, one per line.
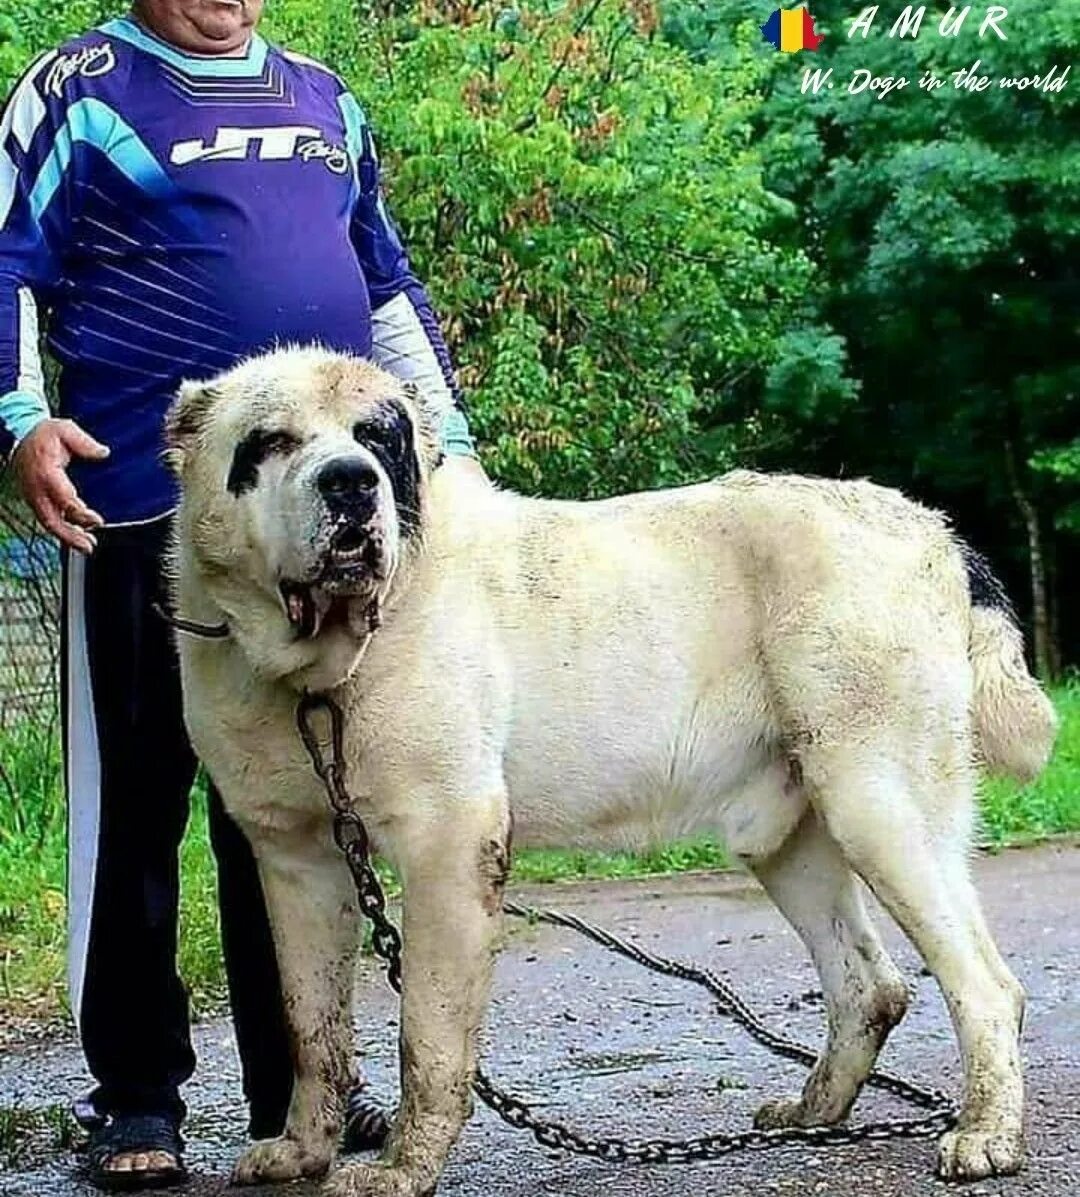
{"x":603,"y":1044}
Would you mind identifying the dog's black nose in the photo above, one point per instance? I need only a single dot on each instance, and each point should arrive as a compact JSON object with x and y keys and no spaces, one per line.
{"x":348,"y":482}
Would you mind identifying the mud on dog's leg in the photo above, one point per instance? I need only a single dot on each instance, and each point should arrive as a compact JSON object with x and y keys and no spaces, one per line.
{"x":453,"y":866}
{"x":918,"y":867}
{"x":865,"y":996}
{"x":315,"y":926}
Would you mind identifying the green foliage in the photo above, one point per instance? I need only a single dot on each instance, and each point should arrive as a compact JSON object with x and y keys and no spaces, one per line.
{"x":584,"y":201}
{"x":546,"y":865}
{"x":1063,"y":466}
{"x":946,"y":231}
{"x":200,"y":922}
{"x":807,"y":381}
{"x":28,"y":30}
{"x":33,"y":863}
{"x":1011,"y":813}
{"x":34,"y":1132}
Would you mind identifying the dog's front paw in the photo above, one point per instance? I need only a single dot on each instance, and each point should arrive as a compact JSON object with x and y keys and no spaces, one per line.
{"x":782,"y":1112}
{"x":273,"y":1160}
{"x":375,"y":1180}
{"x":975,"y":1154}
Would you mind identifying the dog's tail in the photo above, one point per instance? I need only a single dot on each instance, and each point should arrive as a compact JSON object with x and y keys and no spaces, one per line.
{"x":1015,"y":722}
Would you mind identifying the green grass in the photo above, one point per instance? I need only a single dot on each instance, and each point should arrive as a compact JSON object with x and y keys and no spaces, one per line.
{"x":1050,"y":806}
{"x":33,"y":1133}
{"x":32,"y":862}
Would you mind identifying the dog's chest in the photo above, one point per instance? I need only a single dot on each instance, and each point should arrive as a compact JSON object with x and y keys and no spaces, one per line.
{"x":247,"y":738}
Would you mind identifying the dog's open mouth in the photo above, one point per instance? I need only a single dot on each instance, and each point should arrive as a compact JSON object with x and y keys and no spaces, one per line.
{"x":312,"y":608}
{"x":348,"y":545}
{"x":352,"y":568}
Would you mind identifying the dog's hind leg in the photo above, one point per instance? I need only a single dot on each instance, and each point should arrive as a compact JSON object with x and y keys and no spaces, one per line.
{"x":865,"y":996}
{"x":453,"y":856}
{"x":911,"y":849}
{"x":315,"y":924}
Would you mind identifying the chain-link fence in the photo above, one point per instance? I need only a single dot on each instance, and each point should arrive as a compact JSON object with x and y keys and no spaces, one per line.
{"x":29,"y":621}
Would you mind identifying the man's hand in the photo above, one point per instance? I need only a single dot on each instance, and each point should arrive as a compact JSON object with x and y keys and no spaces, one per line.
{"x":40,"y":465}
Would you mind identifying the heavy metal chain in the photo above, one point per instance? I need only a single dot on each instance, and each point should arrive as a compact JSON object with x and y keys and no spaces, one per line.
{"x":350,"y":834}
{"x":351,"y":837}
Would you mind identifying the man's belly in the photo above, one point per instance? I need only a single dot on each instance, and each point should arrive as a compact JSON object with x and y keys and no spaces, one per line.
{"x":136,"y":328}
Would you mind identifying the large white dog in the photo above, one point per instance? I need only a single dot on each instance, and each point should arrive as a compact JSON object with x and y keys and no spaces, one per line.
{"x":812,"y":669}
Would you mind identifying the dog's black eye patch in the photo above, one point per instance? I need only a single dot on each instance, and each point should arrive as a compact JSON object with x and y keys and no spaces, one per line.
{"x":384,"y":436}
{"x":388,"y":433}
{"x":252,"y":451}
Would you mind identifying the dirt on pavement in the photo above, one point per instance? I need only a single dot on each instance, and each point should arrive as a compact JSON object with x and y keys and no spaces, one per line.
{"x":603,"y":1044}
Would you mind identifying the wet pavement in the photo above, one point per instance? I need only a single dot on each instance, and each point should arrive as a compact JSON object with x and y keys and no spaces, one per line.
{"x":602,"y":1044}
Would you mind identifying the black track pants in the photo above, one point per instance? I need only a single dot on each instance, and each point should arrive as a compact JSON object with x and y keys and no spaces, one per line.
{"x":129,"y":769}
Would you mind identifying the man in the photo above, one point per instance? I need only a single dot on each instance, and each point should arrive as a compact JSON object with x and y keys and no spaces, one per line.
{"x":178,"y":194}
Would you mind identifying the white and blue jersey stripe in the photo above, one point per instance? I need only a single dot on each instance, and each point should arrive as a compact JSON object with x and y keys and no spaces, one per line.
{"x":174,"y":213}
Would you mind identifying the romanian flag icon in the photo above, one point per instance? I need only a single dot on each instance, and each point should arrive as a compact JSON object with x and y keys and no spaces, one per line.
{"x":791,"y":29}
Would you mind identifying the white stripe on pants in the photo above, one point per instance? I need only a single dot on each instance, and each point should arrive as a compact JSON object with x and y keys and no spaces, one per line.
{"x":83,"y":783}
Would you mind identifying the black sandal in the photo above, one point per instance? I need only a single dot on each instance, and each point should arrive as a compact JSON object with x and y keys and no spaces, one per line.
{"x":127,"y":1134}
{"x":367,"y":1124}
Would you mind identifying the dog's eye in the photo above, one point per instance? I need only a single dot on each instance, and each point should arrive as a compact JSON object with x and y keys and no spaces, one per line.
{"x":383,"y":438}
{"x":279,"y":442}
{"x":252,"y":451}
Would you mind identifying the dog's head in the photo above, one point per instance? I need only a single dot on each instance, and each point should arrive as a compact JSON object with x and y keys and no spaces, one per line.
{"x":304,"y":479}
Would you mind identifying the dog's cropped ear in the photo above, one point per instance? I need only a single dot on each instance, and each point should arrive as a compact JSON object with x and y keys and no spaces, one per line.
{"x":185,"y":421}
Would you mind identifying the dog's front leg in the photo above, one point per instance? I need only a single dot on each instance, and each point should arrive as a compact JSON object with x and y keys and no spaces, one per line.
{"x":309,"y":898}
{"x":454,"y":869}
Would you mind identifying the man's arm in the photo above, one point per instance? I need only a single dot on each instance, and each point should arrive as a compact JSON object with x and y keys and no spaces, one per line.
{"x":406,"y":338}
{"x":25,"y":261}
{"x":33,"y":220}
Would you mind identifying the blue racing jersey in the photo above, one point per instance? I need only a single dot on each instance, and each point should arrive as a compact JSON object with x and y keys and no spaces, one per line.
{"x":175,"y":213}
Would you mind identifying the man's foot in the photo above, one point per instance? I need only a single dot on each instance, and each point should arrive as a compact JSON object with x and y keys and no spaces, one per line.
{"x":136,"y":1151}
{"x":367,"y":1124}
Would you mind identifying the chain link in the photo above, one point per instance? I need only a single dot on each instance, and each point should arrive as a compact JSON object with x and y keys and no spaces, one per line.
{"x":351,"y":836}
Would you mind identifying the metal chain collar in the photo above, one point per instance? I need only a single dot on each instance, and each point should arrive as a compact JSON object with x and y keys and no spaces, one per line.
{"x":351,"y":836}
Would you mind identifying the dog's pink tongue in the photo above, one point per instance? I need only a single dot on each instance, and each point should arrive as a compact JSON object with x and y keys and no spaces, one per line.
{"x":296,"y":608}
{"x":307,"y":609}
{"x":304,"y":613}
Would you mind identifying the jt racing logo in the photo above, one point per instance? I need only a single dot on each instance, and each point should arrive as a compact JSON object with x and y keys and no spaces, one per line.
{"x":791,"y":30}
{"x":275,"y":144}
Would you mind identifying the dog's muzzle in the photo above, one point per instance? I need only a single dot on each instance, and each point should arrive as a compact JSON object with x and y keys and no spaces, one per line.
{"x":354,"y":560}
{"x":349,"y":487}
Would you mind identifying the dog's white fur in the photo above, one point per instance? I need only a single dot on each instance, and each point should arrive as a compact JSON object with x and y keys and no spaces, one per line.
{"x":794,"y":664}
